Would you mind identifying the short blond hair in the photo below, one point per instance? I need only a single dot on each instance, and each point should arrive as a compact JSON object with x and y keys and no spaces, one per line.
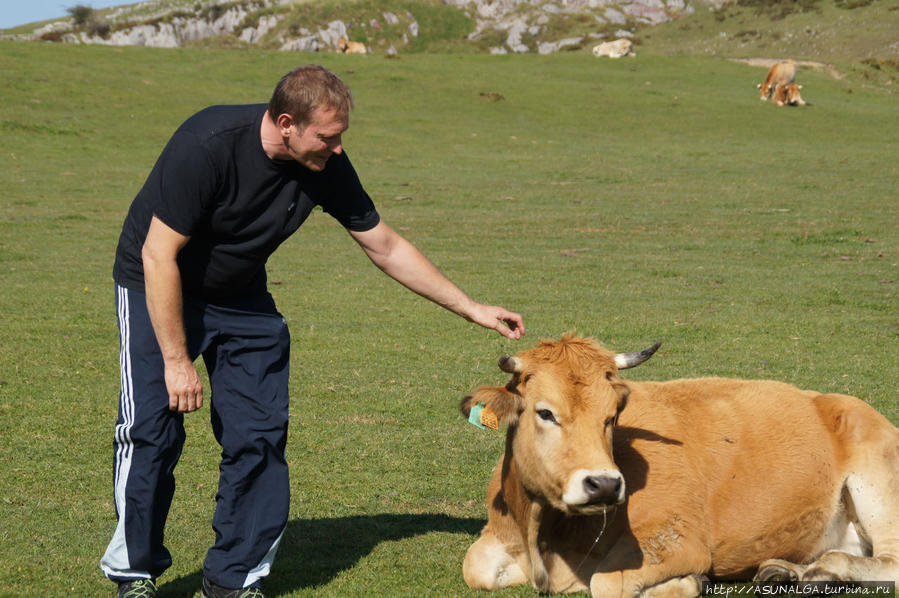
{"x":306,"y":88}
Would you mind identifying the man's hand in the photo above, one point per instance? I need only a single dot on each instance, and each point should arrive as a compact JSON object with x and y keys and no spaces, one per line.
{"x":507,"y":323}
{"x":184,"y":386}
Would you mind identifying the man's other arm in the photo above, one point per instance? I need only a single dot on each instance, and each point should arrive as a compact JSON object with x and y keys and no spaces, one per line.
{"x":162,"y":281}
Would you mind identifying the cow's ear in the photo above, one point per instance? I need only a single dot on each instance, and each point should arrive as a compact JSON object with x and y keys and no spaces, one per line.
{"x":621,"y":389}
{"x":505,"y":405}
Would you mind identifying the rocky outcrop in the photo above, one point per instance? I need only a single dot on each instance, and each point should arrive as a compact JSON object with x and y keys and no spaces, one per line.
{"x":527,"y":24}
{"x":166,"y":30}
{"x":523,"y":25}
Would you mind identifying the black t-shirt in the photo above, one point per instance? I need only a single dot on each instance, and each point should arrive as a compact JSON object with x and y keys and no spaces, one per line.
{"x":214,"y":183}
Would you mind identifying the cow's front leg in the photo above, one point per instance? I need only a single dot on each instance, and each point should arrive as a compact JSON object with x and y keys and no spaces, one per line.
{"x":678,"y":587}
{"x":616,"y":583}
{"x":489,"y":566}
{"x":632,"y":570}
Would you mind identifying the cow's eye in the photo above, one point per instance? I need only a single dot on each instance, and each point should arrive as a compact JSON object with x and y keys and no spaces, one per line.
{"x":546,"y":415}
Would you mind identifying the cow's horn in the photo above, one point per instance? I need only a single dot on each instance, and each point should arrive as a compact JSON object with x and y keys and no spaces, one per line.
{"x":632,"y":360}
{"x":511,"y":365}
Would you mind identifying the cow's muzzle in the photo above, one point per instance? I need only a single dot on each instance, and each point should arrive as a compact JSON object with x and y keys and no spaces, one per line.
{"x":589,"y":490}
{"x":603,"y":490}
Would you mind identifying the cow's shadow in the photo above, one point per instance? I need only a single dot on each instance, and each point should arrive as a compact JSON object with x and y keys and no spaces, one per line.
{"x":315,"y":551}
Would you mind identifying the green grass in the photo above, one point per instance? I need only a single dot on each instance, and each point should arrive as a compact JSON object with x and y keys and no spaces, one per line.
{"x":804,"y":29}
{"x":635,"y":200}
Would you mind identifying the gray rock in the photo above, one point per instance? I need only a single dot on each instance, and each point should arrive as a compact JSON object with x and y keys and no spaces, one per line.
{"x":614,"y":17}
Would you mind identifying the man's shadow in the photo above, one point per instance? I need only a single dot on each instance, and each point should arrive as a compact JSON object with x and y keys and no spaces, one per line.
{"x":315,"y":551}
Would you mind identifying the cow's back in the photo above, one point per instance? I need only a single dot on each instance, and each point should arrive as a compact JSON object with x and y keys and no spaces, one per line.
{"x":783,"y":72}
{"x":739,"y":458}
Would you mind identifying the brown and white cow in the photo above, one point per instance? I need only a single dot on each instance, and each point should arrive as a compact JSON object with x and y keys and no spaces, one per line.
{"x":788,"y":95}
{"x":616,"y":49}
{"x":782,"y":73}
{"x":645,"y":488}
{"x":348,"y":47}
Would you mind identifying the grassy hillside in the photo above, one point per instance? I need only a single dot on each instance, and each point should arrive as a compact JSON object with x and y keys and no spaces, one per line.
{"x":860,"y":39}
{"x":636,"y":200}
{"x":828,"y":30}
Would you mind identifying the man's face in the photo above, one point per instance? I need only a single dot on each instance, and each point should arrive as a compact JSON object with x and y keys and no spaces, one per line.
{"x":311,"y":145}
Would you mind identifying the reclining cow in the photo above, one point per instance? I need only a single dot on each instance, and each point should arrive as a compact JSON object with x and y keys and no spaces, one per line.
{"x":649,"y":488}
{"x":616,"y":49}
{"x":788,"y":95}
{"x":782,"y":73}
{"x":348,"y":47}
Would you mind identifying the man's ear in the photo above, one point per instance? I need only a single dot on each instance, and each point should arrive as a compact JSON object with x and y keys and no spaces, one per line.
{"x":284,"y":122}
{"x":506,"y":405}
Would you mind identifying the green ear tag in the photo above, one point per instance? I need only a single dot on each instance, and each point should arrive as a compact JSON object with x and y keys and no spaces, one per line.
{"x":474,"y":417}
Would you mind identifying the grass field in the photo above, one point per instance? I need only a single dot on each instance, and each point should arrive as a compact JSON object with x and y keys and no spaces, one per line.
{"x":637,"y":200}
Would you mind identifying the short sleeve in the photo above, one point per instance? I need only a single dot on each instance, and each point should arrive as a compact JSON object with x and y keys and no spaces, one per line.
{"x":185,"y":182}
{"x":344,"y":198}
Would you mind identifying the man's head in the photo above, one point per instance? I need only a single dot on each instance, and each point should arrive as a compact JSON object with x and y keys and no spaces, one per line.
{"x":306,"y":88}
{"x":310,"y":107}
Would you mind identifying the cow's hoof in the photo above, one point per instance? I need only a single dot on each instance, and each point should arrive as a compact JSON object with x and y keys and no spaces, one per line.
{"x":774,"y":572}
{"x":818,"y":574}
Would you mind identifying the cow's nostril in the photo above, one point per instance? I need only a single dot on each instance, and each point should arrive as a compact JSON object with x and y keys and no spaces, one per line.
{"x":602,"y":489}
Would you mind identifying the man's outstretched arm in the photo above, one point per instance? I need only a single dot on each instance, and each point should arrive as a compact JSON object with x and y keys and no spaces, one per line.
{"x":403,"y":262}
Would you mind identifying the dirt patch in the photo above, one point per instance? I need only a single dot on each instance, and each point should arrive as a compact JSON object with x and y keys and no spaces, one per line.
{"x":768,"y":62}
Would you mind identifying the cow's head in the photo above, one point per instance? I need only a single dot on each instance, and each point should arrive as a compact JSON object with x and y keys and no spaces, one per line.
{"x":765,"y":90}
{"x":561,"y":406}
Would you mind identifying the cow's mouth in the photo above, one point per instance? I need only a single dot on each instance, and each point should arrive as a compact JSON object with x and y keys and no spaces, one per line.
{"x":589,"y":510}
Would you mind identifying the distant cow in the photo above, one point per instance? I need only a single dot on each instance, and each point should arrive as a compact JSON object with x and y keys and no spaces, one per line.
{"x":348,"y":47}
{"x":644,"y":488}
{"x":788,"y":95}
{"x":616,"y":49}
{"x":782,"y":73}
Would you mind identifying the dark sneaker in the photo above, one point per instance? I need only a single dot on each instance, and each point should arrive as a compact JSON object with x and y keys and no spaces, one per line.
{"x":139,"y":588}
{"x":210,"y":590}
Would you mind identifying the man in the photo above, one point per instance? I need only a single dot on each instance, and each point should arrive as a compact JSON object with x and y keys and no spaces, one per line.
{"x":230,"y":186}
